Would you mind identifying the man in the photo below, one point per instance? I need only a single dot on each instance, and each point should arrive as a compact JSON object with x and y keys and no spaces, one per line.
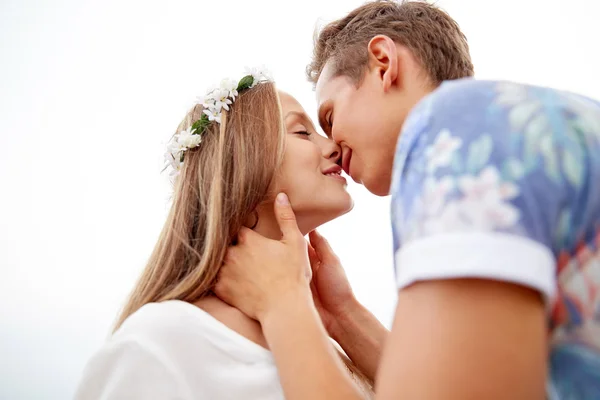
{"x":494,"y":206}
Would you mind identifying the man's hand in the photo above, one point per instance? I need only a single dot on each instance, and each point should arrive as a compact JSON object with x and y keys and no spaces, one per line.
{"x":259,"y":273}
{"x":331,"y":290}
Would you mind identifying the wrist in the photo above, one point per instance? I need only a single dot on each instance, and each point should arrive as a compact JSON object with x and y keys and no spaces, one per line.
{"x":344,"y":316}
{"x":288,"y":303}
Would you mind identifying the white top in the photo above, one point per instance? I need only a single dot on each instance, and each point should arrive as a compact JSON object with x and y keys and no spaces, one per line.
{"x":175,"y":350}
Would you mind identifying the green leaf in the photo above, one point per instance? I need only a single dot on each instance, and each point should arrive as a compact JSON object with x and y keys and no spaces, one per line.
{"x":520,"y":114}
{"x":456,"y":163}
{"x":533,"y":133}
{"x":548,"y":151}
{"x":196,"y":126}
{"x":513,"y":169}
{"x":573,"y":168}
{"x":245,"y":82}
{"x":563,"y":229}
{"x":479,"y":153}
{"x":199,"y":126}
{"x":538,"y":125}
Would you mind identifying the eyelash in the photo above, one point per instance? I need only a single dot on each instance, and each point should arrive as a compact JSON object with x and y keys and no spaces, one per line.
{"x":304,"y":133}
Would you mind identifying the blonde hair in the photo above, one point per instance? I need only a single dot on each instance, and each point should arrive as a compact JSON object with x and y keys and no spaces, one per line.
{"x":221,"y":183}
{"x":219,"y":187}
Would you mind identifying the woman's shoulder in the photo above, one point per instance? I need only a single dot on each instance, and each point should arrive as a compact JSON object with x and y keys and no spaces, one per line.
{"x":180,"y":328}
{"x":175,"y":349}
{"x":156,"y":318}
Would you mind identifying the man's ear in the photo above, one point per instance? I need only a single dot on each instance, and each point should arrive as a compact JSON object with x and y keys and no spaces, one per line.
{"x":383,"y":60}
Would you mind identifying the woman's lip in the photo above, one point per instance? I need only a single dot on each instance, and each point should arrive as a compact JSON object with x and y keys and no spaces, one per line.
{"x":338,"y":177}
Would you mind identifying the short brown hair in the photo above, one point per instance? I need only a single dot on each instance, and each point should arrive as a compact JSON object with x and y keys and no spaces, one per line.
{"x":430,"y":33}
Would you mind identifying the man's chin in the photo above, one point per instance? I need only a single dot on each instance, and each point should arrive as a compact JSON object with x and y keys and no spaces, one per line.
{"x":378,"y":186}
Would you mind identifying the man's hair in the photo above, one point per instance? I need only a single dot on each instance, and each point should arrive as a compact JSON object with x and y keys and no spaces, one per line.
{"x":432,"y":36}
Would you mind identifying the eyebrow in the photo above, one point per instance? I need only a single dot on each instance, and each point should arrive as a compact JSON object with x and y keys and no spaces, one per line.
{"x":297,"y":114}
{"x":301,"y":116}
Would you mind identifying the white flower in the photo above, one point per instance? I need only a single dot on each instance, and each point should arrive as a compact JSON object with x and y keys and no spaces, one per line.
{"x":173,"y":159}
{"x":174,"y":146}
{"x":265,"y":73}
{"x":175,"y":169}
{"x":490,"y":215}
{"x":486,"y":200}
{"x":230,"y":86}
{"x":213,"y":106}
{"x":188,"y":140}
{"x":487,"y":186}
{"x":213,"y":115}
{"x":449,"y":220}
{"x":434,"y":194}
{"x":222,"y":100}
{"x":259,"y":74}
{"x":201,"y":100}
{"x":439,"y":154}
{"x":484,"y":205}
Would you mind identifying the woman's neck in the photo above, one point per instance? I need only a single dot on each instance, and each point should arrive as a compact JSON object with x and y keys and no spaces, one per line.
{"x":267,"y":225}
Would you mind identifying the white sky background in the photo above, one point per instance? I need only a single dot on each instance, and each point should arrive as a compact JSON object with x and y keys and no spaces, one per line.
{"x":91,"y":91}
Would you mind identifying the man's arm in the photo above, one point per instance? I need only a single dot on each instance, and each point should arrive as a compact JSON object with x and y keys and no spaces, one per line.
{"x":349,"y":323}
{"x":465,"y":339}
{"x":362,"y":337}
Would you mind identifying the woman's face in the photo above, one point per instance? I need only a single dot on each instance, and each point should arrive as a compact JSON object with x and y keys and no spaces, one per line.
{"x":310,"y":174}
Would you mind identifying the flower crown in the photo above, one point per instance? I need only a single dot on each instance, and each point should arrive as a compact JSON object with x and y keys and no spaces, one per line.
{"x":214,"y":102}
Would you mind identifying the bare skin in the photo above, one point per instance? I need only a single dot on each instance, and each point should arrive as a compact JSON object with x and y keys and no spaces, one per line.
{"x":445,"y":332}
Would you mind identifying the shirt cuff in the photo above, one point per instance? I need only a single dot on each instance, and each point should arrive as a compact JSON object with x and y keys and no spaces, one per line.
{"x":486,"y":255}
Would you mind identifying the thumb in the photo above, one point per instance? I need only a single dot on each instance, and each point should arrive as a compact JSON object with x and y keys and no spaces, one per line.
{"x":322,"y":247}
{"x":286,"y":217}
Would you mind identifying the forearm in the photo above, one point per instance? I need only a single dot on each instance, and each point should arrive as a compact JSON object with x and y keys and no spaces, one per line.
{"x":308,"y":365}
{"x":361,"y":336}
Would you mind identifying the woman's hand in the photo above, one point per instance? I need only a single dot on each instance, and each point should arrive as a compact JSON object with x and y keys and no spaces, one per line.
{"x":259,"y":274}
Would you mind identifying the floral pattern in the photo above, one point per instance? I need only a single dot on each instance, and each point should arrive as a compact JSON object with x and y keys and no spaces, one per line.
{"x":479,"y":156}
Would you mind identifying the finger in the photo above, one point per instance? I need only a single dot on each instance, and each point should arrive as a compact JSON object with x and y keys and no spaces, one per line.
{"x":245,"y":235}
{"x":220,"y":288}
{"x":321,"y":246}
{"x":230,"y":256}
{"x":312,"y":257}
{"x":286,"y":218}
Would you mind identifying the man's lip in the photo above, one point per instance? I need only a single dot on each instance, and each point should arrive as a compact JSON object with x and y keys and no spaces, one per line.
{"x":346,"y":161}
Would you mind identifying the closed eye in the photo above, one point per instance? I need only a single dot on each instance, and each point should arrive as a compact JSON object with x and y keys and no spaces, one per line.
{"x":303,"y":133}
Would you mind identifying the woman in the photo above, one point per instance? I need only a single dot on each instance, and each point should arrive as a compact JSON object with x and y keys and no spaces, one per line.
{"x":174,"y":340}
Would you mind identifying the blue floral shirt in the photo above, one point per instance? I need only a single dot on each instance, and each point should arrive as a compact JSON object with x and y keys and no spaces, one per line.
{"x":500,"y":180}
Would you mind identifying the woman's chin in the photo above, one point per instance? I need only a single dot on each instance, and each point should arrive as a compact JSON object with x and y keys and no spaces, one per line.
{"x":311,"y":221}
